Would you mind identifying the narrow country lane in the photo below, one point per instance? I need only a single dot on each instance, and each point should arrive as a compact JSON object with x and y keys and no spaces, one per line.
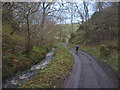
{"x":88,"y":73}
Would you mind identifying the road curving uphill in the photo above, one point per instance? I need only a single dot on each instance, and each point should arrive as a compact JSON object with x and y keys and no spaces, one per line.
{"x":88,"y":73}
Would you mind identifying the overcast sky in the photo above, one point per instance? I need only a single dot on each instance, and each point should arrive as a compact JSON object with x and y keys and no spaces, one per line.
{"x":76,"y":19}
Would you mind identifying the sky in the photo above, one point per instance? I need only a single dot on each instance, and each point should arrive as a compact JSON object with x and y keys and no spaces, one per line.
{"x":76,"y":19}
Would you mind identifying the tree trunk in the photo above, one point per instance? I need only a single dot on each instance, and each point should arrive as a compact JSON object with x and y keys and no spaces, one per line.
{"x":60,"y":33}
{"x":42,"y":22}
{"x":72,"y":26}
{"x":28,"y":38}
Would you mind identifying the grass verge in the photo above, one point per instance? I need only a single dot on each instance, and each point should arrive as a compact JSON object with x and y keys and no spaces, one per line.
{"x":111,"y":59}
{"x":54,"y":73}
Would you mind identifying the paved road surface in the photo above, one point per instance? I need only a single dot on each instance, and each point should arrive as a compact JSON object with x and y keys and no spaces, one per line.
{"x":88,"y":73}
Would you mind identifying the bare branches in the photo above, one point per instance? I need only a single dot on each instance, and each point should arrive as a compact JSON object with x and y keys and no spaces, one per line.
{"x":47,"y":5}
{"x":86,"y":10}
{"x":36,"y":9}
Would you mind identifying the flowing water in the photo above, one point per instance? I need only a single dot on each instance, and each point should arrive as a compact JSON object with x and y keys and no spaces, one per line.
{"x":15,"y":81}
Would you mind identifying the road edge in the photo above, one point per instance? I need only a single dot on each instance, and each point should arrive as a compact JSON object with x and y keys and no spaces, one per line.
{"x":107,"y":68}
{"x":61,"y":84}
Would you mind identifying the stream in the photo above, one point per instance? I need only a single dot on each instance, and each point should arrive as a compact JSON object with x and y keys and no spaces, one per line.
{"x":16,"y":80}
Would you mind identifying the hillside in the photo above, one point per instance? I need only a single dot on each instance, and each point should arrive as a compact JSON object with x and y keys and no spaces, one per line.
{"x":11,"y":41}
{"x":66,"y":30}
{"x":101,"y":27}
{"x":13,"y":57}
{"x":99,"y":36}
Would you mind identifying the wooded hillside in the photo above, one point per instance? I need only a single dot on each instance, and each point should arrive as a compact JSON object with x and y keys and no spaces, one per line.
{"x":102,"y":28}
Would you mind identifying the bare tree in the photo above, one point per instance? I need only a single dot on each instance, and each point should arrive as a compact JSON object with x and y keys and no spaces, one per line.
{"x":30,"y":12}
{"x":72,"y":11}
{"x":21,"y":13}
{"x":48,"y":11}
{"x":99,"y":5}
{"x":80,"y":12}
{"x":86,"y":10}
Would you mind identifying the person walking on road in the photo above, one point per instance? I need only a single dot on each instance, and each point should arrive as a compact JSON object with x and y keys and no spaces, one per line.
{"x":77,"y":48}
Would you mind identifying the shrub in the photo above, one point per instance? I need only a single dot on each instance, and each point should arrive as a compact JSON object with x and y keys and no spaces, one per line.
{"x":10,"y":56}
{"x":118,"y":46}
{"x":7,"y":60}
{"x":38,"y":50}
{"x":104,"y":51}
{"x":112,"y":46}
{"x":23,"y":57}
{"x":38,"y":53}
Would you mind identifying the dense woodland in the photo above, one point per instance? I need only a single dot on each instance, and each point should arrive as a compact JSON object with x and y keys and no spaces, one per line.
{"x":30,"y":29}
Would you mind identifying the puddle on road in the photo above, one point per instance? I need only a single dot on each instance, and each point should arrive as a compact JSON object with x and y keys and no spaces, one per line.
{"x":16,"y":81}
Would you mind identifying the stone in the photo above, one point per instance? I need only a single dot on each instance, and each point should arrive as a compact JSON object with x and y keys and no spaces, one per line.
{"x":22,"y":77}
{"x":15,"y":82}
{"x":33,"y":68}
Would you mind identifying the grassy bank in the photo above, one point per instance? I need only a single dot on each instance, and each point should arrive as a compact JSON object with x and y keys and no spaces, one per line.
{"x":54,"y":73}
{"x":14,"y":63}
{"x":111,"y":58}
{"x":14,"y":58}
